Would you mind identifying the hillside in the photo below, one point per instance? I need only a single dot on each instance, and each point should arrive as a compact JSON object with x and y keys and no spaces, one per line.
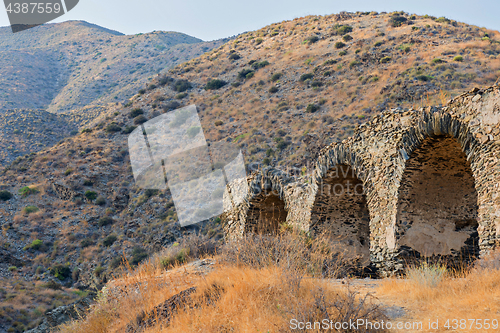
{"x":282,"y":93}
{"x":77,"y":68}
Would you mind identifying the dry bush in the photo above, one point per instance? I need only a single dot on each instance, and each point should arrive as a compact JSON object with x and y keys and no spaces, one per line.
{"x":291,"y":251}
{"x":259,"y":283}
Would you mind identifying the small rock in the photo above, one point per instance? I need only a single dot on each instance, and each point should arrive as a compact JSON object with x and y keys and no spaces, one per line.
{"x":476,"y":98}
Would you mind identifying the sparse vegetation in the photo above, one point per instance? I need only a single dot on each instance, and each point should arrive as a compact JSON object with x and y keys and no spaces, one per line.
{"x":215,"y":84}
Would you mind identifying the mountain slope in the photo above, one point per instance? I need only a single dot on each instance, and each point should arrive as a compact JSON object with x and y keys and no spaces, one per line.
{"x":78,"y":68}
{"x":288,"y":89}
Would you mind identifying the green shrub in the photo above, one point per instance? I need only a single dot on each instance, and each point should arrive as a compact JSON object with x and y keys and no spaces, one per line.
{"x":424,"y":78}
{"x":339,"y":45}
{"x":316,"y":84}
{"x":234,"y":56}
{"x":219,"y":123}
{"x":259,"y":41}
{"x":442,"y":19}
{"x":86,"y":242}
{"x":437,"y":61}
{"x":243,"y":74}
{"x":378,"y":43}
{"x":12,"y":268}
{"x":25,"y":191}
{"x":311,"y":39}
{"x":129,"y":129}
{"x":142,"y":91}
{"x":35,"y":245}
{"x":312,"y":108}
{"x":30,"y":209}
{"x":458,"y":58}
{"x":68,"y":172}
{"x":354,"y":63}
{"x":329,"y":62}
{"x":273,"y":89}
{"x":385,"y":60}
{"x":138,"y":255}
{"x":215,"y":84}
{"x":135,"y":112}
{"x":347,"y":38}
{"x":181,"y":95}
{"x":113,"y":127}
{"x":140,"y":120}
{"x":181,"y":85}
{"x":342,"y":30}
{"x":60,"y":272}
{"x":100,"y":200}
{"x":256,"y":65}
{"x":104,"y":221}
{"x":5,"y":195}
{"x":91,"y":195}
{"x":306,"y":76}
{"x":341,"y":53}
{"x":276,"y":76}
{"x":397,"y":21}
{"x":86,"y":130}
{"x":108,"y":241}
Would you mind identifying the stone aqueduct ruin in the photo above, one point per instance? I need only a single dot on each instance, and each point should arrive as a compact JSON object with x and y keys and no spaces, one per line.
{"x":422,"y":183}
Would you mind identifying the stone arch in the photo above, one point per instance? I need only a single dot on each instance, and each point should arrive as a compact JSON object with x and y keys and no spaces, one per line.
{"x":437,"y":211}
{"x":343,"y":189}
{"x":267,"y":203}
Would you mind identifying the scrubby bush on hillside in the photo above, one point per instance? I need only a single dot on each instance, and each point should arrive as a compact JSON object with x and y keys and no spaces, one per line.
{"x":181,"y":85}
{"x":91,"y":195}
{"x":171,"y":105}
{"x":256,"y":65}
{"x":140,"y":120}
{"x":215,"y":84}
{"x":397,"y":20}
{"x":385,"y":60}
{"x":312,"y":39}
{"x":341,"y":29}
{"x":30,"y":209}
{"x":61,"y":272}
{"x":135,"y":112}
{"x":276,"y":76}
{"x":312,"y":108}
{"x":128,"y":129}
{"x":273,"y":89}
{"x":108,"y":241}
{"x":104,"y":221}
{"x":347,"y":38}
{"x":458,"y":58}
{"x":27,"y":190}
{"x":138,"y":255}
{"x":339,"y":45}
{"x":245,"y":74}
{"x":100,"y":200}
{"x":306,"y":76}
{"x":234,"y":56}
{"x":113,"y":127}
{"x":5,"y":195}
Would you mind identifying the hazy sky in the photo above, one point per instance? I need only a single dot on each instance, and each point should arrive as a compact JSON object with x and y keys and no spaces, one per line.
{"x":210,"y":20}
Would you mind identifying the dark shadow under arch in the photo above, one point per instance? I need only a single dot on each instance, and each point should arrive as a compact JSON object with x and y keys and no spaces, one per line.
{"x":266,"y":213}
{"x":437,"y":204}
{"x":340,"y":209}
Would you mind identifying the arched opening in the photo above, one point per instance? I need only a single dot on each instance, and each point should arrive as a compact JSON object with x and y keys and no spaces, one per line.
{"x":266,"y":213}
{"x":340,"y":210}
{"x":437,"y":204}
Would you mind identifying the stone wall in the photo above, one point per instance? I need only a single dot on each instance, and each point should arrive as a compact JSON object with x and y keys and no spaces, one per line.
{"x":429,"y":171}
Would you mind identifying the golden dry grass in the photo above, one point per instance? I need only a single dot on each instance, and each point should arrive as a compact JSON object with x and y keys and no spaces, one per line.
{"x":471,"y":295}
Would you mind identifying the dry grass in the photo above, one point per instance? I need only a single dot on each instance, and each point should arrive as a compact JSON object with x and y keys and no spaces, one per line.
{"x":433,"y":293}
{"x":262,"y":282}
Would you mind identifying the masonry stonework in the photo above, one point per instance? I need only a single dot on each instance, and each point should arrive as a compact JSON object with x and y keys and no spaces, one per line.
{"x":430,"y":185}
